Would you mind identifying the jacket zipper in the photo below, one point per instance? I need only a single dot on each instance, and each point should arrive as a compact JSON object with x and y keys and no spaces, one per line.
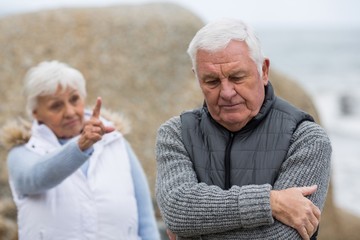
{"x":227,"y":161}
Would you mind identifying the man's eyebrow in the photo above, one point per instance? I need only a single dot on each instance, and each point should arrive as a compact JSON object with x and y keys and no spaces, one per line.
{"x":210,"y":75}
{"x":237,"y":72}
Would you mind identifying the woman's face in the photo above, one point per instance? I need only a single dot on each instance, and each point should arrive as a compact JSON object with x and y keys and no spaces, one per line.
{"x":62,"y":112}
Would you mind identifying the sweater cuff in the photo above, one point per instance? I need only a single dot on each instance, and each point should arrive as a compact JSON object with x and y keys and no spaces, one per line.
{"x":89,"y":151}
{"x":75,"y":150}
{"x":254,"y":205}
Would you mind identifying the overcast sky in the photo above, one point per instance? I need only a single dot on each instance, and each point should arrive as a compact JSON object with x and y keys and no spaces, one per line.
{"x":262,"y":13}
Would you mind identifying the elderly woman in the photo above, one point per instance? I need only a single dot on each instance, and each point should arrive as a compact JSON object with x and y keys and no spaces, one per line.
{"x":76,"y":177}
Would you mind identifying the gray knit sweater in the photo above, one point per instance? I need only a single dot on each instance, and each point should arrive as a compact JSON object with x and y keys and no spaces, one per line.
{"x":194,"y":210}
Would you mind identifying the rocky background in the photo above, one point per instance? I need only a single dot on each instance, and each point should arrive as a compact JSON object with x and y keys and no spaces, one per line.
{"x":135,"y":58}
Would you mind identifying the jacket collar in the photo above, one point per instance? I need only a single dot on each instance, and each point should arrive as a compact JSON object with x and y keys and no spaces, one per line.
{"x":264,"y":110}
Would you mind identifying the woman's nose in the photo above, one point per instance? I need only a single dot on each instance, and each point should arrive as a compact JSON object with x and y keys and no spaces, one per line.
{"x":69,"y":110}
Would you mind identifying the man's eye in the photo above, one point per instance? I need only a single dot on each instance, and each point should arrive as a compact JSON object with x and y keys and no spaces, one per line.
{"x":211,"y":82}
{"x":236,"y":78}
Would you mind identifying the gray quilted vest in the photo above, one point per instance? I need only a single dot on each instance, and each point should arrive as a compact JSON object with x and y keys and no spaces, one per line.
{"x":252,"y":155}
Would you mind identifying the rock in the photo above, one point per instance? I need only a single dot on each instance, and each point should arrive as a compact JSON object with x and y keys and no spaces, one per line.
{"x":134,"y":56}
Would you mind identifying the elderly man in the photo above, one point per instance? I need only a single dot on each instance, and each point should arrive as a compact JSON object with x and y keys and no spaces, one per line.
{"x":246,"y":165}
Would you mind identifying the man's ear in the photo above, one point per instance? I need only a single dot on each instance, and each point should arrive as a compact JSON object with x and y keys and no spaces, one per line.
{"x":265,"y":71}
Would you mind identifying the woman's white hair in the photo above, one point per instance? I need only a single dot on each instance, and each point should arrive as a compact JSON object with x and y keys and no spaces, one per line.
{"x":216,"y":36}
{"x":46,"y":77}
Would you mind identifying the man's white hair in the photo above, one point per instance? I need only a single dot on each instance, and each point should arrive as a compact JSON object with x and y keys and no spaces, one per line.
{"x":46,"y":77}
{"x":216,"y":35}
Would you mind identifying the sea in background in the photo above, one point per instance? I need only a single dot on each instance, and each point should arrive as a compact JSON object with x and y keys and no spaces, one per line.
{"x":327,"y":64}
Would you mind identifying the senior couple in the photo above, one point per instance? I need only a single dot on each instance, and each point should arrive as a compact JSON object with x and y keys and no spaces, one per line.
{"x":245,"y":165}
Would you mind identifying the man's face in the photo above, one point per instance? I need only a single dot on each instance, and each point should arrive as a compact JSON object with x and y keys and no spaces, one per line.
{"x":231,"y":84}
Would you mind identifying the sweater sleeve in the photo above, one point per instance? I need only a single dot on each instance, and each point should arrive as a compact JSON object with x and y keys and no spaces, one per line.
{"x":147,"y":224}
{"x":308,"y":162}
{"x":31,"y":173}
{"x":190,"y":208}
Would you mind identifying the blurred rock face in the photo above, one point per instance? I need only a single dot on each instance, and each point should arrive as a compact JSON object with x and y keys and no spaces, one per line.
{"x":134,"y":57}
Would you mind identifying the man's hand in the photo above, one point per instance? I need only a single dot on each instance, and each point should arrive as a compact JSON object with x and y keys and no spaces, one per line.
{"x":93,"y":129}
{"x":291,"y":207}
{"x":171,"y":235}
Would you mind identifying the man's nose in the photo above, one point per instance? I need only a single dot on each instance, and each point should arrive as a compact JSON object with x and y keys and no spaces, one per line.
{"x":227,"y":89}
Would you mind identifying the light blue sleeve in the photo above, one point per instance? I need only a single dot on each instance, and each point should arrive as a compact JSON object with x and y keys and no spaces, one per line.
{"x":32,"y":173}
{"x":148,"y":229}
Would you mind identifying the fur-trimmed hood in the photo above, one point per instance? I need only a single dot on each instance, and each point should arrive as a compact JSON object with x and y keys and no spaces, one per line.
{"x":18,"y":131}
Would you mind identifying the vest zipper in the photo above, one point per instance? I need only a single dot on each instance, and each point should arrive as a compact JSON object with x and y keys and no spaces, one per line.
{"x":227,"y":161}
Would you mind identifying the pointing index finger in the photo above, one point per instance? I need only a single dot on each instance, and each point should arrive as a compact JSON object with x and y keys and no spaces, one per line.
{"x":96,"y":110}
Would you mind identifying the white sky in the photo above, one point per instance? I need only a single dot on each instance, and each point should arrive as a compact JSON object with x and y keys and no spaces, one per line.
{"x":259,"y":13}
